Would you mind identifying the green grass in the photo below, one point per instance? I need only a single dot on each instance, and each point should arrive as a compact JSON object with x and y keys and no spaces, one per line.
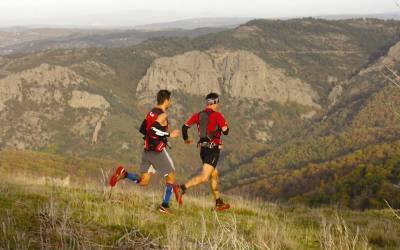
{"x":44,"y":215}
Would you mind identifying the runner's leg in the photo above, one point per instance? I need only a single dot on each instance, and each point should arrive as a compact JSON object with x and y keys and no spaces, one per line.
{"x":146,"y":169}
{"x":170,"y":182}
{"x":133,"y":177}
{"x":214,"y":184}
{"x":163,"y":164}
{"x":145,"y":179}
{"x":171,"y":178}
{"x":201,"y":178}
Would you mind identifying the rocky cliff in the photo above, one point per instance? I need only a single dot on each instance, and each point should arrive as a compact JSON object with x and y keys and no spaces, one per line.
{"x":239,"y":74}
{"x":35,"y":100}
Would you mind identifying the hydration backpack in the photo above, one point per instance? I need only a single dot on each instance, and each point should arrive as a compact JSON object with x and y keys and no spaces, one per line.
{"x":206,"y":136}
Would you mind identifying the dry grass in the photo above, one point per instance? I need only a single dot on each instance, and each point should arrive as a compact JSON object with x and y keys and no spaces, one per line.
{"x":94,"y":216}
{"x":12,"y":237}
{"x":394,"y":212}
{"x":337,"y":235}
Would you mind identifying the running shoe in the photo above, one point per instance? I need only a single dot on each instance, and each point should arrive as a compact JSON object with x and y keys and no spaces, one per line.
{"x":221,"y":206}
{"x":119,"y":174}
{"x":164,"y":210}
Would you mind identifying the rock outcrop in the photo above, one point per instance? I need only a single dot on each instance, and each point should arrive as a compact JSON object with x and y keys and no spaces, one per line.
{"x":393,"y":55}
{"x":83,"y":99}
{"x":192,"y":72}
{"x":35,"y":101}
{"x":238,"y":74}
{"x":40,"y":85}
{"x":95,"y":68}
{"x":335,"y":94}
{"x":389,"y":60}
{"x":98,"y":127}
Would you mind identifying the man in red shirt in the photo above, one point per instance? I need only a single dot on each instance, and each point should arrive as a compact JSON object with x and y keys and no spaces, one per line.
{"x":155,"y":156}
{"x":211,"y":125}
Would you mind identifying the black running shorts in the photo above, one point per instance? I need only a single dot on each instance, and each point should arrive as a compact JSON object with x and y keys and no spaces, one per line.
{"x":210,"y":156}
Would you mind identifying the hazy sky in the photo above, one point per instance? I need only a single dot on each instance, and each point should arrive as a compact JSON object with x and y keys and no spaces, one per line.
{"x":132,"y":12}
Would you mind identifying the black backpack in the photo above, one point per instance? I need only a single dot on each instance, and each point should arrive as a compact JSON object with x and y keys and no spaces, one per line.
{"x":204,"y":117}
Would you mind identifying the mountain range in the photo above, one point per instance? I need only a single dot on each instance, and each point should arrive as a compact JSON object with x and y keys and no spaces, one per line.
{"x":313,"y":117}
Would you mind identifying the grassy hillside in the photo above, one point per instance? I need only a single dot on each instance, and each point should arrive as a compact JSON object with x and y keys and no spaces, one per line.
{"x":86,"y":214}
{"x":350,"y":158}
{"x":35,"y":165}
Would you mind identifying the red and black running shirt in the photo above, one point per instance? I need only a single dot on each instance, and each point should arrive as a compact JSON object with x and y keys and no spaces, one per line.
{"x":215,"y":120}
{"x":150,"y":136}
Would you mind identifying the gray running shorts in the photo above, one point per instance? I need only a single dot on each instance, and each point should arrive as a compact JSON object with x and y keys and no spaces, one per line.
{"x":159,"y":162}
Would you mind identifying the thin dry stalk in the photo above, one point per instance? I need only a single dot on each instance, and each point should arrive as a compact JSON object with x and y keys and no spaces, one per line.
{"x":134,"y":239}
{"x":393,"y":77}
{"x":337,"y":235}
{"x":104,"y":176}
{"x":11,"y":237}
{"x":397,"y":2}
{"x":56,"y":222}
{"x":392,"y":210}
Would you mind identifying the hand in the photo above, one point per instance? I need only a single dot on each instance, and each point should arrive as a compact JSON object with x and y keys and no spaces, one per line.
{"x":174,"y":133}
{"x":189,"y":142}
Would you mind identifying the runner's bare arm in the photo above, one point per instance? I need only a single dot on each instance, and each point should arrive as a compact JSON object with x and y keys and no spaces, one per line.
{"x":162,"y":119}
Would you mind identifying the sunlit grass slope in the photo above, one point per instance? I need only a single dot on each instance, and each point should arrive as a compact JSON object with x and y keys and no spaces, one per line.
{"x":83,"y":213}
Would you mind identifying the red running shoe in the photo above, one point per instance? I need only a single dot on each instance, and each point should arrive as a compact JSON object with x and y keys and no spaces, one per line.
{"x":221,"y":206}
{"x":119,"y":174}
{"x":177,"y":193}
{"x":164,"y":210}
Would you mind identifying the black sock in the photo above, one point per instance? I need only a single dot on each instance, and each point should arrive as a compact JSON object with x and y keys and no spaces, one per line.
{"x":218,"y":202}
{"x":183,"y":187}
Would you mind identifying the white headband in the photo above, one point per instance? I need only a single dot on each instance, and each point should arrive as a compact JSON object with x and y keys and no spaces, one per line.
{"x":213,"y":101}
